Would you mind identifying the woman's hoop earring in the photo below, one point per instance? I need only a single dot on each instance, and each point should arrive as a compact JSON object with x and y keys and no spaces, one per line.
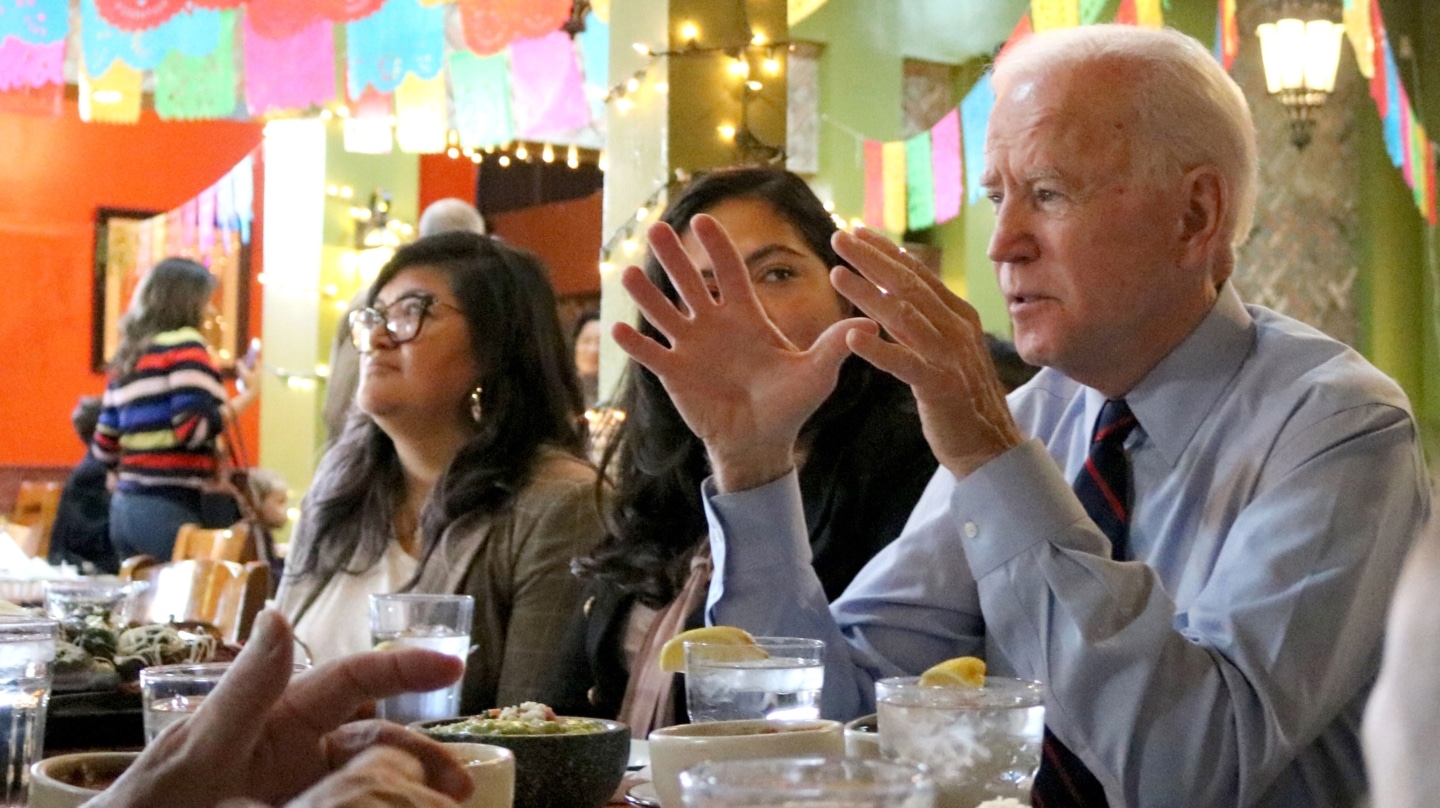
{"x":476,"y":411}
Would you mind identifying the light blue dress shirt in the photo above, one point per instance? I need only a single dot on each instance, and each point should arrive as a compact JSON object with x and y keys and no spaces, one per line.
{"x":1278,"y":484}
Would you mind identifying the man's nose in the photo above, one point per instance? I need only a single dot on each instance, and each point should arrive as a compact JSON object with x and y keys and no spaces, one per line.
{"x":1013,"y":241}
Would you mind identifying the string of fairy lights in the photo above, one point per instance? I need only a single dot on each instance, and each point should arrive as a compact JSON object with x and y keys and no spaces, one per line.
{"x":748,"y":63}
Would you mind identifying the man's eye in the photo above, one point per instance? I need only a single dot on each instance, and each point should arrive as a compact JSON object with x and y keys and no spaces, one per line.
{"x":774,"y":274}
{"x":995,"y":197}
{"x":1044,"y":195}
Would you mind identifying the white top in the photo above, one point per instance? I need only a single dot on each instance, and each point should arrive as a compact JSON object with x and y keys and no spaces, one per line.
{"x":338,"y":622}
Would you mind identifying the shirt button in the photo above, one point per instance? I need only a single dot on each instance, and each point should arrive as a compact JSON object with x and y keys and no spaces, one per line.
{"x":593,"y":696}
{"x":971,"y":531}
{"x":589,"y":604}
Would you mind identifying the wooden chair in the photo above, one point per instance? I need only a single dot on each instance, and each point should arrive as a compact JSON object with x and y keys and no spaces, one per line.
{"x":35,"y":508}
{"x":224,"y":594}
{"x":223,"y":544}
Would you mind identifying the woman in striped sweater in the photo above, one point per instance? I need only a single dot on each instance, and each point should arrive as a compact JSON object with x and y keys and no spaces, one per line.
{"x":164,"y":409}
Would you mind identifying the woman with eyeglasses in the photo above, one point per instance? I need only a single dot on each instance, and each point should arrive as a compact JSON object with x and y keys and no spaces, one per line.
{"x":164,"y":410}
{"x":459,"y":470}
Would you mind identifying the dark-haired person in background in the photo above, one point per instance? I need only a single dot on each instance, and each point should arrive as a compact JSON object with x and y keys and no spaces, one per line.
{"x":164,"y":410}
{"x":460,"y":469}
{"x":864,"y":464}
{"x":81,"y":533}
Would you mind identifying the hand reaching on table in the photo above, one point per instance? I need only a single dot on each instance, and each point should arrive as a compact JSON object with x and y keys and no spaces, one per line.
{"x":265,"y":737}
{"x":740,"y":385}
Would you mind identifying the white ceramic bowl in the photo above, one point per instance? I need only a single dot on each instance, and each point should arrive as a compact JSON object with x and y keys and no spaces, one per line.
{"x":66,"y":781}
{"x":675,"y":749}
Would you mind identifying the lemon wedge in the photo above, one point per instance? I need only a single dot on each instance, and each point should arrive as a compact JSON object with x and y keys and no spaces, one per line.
{"x":385,"y":645}
{"x":672,"y":655}
{"x":965,"y":671}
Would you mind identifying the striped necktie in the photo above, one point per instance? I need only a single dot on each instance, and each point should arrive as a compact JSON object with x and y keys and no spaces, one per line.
{"x":1103,"y":487}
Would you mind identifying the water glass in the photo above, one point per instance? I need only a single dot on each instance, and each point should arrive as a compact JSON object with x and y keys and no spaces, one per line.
{"x":27,"y":650}
{"x":725,"y":683}
{"x":169,"y":693}
{"x":433,"y":622}
{"x":831,"y":782}
{"x":83,"y":597}
{"x":978,"y":743}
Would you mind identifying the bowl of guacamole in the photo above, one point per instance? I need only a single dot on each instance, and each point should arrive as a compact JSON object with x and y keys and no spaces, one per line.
{"x":560,"y":761}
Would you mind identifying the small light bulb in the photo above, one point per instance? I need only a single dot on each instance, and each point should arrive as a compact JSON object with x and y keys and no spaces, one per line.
{"x":504,"y":161}
{"x":343,"y":111}
{"x":662,"y":87}
{"x":771,"y":66}
{"x":739,"y":68}
{"x":632,"y":84}
{"x":475,"y":156}
{"x":326,"y":114}
{"x":547,"y":154}
{"x":452,"y":152}
{"x":603,"y":162}
{"x":323,"y":371}
{"x":727,"y":132}
{"x":759,"y":40}
{"x":572,"y":156}
{"x":452,"y":138}
{"x":346,"y":192}
{"x":641,"y":213}
{"x":332,"y":190}
{"x":754,"y":86}
{"x":631,"y":246}
{"x":522,"y":153}
{"x":689,"y":32}
{"x":623,"y":105}
{"x":606,"y":268}
{"x":642,"y":49}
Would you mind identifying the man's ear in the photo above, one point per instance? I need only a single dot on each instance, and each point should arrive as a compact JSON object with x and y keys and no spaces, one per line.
{"x":1207,"y":200}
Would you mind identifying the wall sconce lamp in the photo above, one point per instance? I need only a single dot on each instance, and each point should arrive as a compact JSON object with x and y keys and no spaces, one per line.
{"x":377,"y":234}
{"x":1301,"y":57}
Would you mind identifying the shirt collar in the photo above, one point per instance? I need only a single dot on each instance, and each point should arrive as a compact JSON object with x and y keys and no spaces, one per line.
{"x":1176,"y":395}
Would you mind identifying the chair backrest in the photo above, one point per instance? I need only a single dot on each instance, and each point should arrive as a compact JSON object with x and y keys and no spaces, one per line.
{"x":223,"y":593}
{"x":35,"y":507}
{"x":223,"y":544}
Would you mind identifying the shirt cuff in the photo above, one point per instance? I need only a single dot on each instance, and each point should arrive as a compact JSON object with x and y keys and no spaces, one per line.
{"x":1009,"y":505}
{"x":762,"y":527}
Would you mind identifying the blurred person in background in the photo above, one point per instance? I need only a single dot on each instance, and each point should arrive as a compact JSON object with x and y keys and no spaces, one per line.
{"x":81,"y":532}
{"x":459,"y":470}
{"x":586,"y":338}
{"x":164,"y":410}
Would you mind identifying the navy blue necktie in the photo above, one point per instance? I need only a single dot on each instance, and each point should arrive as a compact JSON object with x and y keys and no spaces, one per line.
{"x":1103,"y":487}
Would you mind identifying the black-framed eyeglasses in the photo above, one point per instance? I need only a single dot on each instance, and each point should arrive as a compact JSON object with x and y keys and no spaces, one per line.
{"x":402,"y":320}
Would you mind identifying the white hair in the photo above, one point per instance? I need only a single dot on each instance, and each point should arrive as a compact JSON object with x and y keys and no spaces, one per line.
{"x":451,"y":214}
{"x":1190,"y":112}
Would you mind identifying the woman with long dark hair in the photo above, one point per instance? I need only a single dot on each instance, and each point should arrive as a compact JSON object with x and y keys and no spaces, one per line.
{"x":460,"y":469}
{"x":864,"y":460}
{"x":164,"y":410}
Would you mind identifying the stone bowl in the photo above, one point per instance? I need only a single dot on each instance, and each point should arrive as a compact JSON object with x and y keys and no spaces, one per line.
{"x":556,"y":771}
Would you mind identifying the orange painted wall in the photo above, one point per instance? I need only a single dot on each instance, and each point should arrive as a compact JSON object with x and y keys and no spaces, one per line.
{"x":54,"y":173}
{"x":442,"y":176}
{"x":566,"y":235}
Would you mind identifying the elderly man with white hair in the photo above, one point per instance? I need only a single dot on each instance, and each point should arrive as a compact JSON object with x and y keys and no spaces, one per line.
{"x":1187,"y":525}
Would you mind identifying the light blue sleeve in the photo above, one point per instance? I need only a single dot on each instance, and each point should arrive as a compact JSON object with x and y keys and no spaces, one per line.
{"x":910,"y":607}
